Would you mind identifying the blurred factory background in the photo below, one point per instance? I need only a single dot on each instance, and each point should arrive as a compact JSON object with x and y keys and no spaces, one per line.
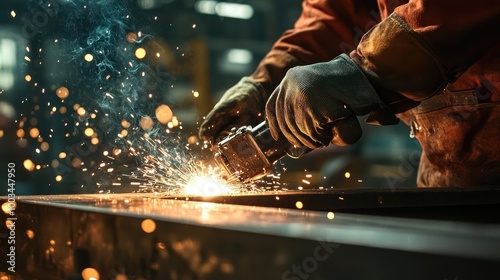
{"x":204,"y":47}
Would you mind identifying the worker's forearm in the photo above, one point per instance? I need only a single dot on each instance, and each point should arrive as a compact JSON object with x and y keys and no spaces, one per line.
{"x":324,"y":30}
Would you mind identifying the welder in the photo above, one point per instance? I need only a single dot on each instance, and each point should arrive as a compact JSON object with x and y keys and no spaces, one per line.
{"x":433,"y":64}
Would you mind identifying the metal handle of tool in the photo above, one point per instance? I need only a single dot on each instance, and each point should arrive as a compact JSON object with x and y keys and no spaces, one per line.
{"x":275,"y":149}
{"x":249,"y":153}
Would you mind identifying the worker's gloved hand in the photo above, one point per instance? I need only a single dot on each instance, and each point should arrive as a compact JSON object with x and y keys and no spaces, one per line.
{"x":318,"y":103}
{"x":241,"y":105}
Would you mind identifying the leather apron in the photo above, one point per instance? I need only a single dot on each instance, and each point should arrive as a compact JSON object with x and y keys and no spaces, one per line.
{"x":459,"y":129}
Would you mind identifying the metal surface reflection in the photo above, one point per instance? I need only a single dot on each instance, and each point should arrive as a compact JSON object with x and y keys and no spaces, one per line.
{"x":147,"y":236}
{"x":383,"y":232}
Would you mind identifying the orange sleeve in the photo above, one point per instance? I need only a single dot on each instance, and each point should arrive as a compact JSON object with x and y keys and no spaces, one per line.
{"x":324,"y":30}
{"x":459,"y":32}
{"x":426,"y":44}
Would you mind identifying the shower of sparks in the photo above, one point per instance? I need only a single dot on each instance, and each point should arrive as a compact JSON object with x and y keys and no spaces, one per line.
{"x":114,"y":114}
{"x":173,"y":171}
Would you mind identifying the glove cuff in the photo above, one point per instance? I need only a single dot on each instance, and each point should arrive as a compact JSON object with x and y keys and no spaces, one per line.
{"x":395,"y":58}
{"x":367,"y":100}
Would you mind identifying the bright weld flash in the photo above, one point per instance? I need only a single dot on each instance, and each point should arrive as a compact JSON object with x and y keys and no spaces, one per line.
{"x":206,"y":185}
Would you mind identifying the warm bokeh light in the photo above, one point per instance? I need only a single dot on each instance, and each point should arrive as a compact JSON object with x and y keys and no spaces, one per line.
{"x":30,"y":234}
{"x":148,"y":226}
{"x":29,"y":165}
{"x":164,"y":114}
{"x":125,"y":124}
{"x":59,"y":178}
{"x":44,"y":146}
{"x":27,"y":78}
{"x":131,"y":37}
{"x":90,"y":273}
{"x":34,"y":132}
{"x":175,"y":121}
{"x":76,"y":162}
{"x":299,"y":205}
{"x":89,"y":132}
{"x":140,"y":53}
{"x":146,"y":123}
{"x":193,"y":139}
{"x":81,"y":111}
{"x":330,"y":215}
{"x":88,"y":57}
{"x":20,"y":133}
{"x":347,"y":175}
{"x":8,"y":206}
{"x":62,"y":93}
{"x":62,"y":155}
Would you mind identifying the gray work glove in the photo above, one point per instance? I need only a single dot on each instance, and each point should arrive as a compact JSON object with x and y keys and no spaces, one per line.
{"x":241,"y":105}
{"x":318,"y":103}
